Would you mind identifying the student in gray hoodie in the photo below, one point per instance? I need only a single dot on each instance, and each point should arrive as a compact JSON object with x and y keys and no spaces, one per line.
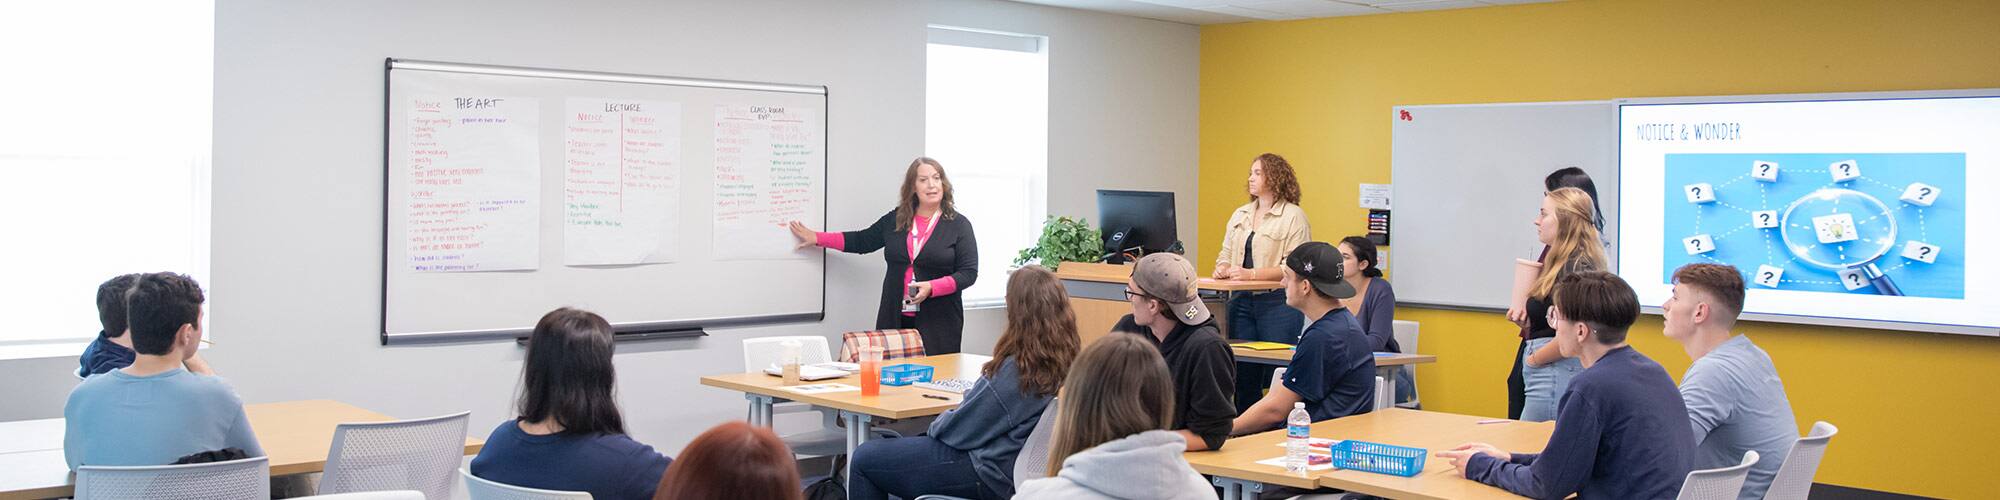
{"x":970,"y":450}
{"x":1111,"y":440}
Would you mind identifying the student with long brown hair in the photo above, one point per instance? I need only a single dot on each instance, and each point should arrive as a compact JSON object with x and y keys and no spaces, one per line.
{"x":1567,"y":224}
{"x":1110,"y":437}
{"x":730,"y":461}
{"x":971,"y":449}
{"x":931,"y":254}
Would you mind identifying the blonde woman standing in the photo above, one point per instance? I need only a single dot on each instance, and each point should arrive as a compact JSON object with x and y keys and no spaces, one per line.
{"x":1567,"y":224}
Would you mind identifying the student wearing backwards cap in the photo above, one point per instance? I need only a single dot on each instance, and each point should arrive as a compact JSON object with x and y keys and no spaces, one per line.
{"x":1167,"y":312}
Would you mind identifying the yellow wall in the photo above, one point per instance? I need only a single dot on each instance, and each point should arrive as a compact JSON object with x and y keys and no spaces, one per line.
{"x":1915,"y":411}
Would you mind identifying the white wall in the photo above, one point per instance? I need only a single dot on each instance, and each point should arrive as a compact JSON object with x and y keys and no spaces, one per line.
{"x":298,"y":172}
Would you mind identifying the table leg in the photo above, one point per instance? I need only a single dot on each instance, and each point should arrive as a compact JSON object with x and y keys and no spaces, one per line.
{"x":858,"y":431}
{"x":1238,"y":489}
{"x":760,"y":410}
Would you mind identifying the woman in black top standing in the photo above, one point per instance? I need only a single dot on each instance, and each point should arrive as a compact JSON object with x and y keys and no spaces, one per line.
{"x":920,"y":292}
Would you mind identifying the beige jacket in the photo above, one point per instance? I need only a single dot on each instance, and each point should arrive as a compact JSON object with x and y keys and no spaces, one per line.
{"x":1278,"y":230}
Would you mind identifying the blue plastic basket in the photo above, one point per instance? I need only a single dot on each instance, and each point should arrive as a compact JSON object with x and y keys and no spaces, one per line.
{"x":1378,"y":458}
{"x":906,"y":374}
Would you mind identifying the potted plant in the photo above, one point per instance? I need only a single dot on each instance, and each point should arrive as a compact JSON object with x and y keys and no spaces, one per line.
{"x":1063,"y":240}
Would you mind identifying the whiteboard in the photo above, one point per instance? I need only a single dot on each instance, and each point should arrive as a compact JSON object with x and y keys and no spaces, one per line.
{"x":656,"y":202}
{"x":1467,"y":182}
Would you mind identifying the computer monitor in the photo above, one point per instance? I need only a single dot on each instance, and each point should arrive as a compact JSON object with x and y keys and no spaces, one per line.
{"x":1142,"y":220}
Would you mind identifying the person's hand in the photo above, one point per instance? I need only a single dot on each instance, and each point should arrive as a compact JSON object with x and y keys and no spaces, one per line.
{"x":807,"y":237}
{"x":1462,"y":455}
{"x":919,"y":292}
{"x":1222,"y":270}
{"x":1518,"y":314}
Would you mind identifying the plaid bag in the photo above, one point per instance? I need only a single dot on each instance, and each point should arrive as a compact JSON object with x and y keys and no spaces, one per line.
{"x":895,"y":344}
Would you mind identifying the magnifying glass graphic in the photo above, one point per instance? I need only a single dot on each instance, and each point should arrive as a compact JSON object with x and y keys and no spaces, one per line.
{"x":1844,"y":231}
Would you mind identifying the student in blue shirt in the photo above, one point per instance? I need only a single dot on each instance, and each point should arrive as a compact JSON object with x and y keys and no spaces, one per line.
{"x":1621,"y":427}
{"x":113,"y":348}
{"x":155,"y":411}
{"x":1333,"y":369}
{"x":971,"y":449}
{"x":570,"y":435}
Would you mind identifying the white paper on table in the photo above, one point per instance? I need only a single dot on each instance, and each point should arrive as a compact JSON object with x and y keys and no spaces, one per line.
{"x":1279,"y":462}
{"x":1316,"y":445}
{"x":767,"y":174}
{"x":821,"y":388}
{"x":474,"y":185}
{"x":621,"y":183}
{"x":1375,"y":196}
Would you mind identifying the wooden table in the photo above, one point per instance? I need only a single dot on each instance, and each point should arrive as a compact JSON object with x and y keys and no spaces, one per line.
{"x":1237,"y":472}
{"x":296,"y":435}
{"x":897,"y":402}
{"x":1385,"y":362}
{"x":1097,"y":294}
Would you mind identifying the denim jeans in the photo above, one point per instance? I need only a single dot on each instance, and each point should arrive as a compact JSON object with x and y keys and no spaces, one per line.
{"x":1260,"y":316}
{"x":1544,"y":385}
{"x":911,"y":467}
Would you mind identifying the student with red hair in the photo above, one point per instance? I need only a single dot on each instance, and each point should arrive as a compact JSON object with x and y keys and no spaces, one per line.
{"x":732,"y":460}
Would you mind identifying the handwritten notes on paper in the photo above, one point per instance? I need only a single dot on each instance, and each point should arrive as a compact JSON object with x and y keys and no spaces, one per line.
{"x":621,"y":183}
{"x":767,"y":173}
{"x":473,"y":185}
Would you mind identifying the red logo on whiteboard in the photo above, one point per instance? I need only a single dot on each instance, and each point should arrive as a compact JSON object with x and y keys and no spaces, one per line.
{"x":1405,"y":115}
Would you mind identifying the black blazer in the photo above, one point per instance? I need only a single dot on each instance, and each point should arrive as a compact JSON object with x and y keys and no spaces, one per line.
{"x":951,"y":251}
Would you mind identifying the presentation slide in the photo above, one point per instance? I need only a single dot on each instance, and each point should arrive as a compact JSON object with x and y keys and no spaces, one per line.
{"x":1875,"y":210}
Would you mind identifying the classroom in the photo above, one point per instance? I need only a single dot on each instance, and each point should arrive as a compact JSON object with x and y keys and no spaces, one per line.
{"x":376,"y":211}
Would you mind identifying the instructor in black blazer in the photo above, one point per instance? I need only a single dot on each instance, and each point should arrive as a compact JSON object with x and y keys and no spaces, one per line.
{"x":920,"y":293}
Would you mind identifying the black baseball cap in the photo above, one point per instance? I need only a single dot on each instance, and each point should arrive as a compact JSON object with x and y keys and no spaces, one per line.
{"x":1319,"y":263}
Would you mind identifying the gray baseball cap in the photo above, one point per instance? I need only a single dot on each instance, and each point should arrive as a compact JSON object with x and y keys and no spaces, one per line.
{"x":1170,"y":278}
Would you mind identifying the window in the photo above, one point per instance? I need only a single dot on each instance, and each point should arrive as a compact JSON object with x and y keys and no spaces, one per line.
{"x":986,"y":118}
{"x":104,"y":150}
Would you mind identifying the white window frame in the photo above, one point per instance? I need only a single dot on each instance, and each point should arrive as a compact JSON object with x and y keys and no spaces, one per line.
{"x":990,"y":290}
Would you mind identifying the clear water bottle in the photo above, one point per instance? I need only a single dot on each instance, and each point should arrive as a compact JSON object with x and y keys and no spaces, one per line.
{"x":1298,"y":431}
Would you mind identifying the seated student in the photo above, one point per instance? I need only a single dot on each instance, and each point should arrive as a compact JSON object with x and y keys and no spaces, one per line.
{"x":113,"y":348}
{"x":570,"y":435}
{"x":1167,"y":312}
{"x":1621,"y":430}
{"x":970,"y":450}
{"x":1374,"y":304}
{"x":1332,"y":370}
{"x":731,"y":461}
{"x":1735,"y":401}
{"x":155,"y":411}
{"x":1110,"y":440}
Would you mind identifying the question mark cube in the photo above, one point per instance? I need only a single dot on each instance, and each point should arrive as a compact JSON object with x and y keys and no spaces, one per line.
{"x":1768,"y":276}
{"x":1764,"y":171}
{"x":1844,"y":170}
{"x":1764,"y":219}
{"x":1853,"y":279}
{"x":1698,"y":244}
{"x":1920,"y":194}
{"x":1921,"y":252}
{"x":1699,"y":193}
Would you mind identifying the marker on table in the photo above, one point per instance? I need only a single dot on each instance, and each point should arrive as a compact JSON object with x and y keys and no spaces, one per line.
{"x":1494,"y":421}
{"x":937,"y":397}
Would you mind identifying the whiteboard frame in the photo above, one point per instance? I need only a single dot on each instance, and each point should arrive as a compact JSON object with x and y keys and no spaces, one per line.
{"x":647,"y":330}
{"x":1618,"y":114}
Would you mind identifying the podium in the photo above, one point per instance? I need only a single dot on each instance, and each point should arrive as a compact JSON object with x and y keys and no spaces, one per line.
{"x":1097,"y":294}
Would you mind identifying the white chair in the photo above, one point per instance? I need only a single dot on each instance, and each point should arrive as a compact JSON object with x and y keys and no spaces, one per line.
{"x":1718,"y":484}
{"x":1795,"y":477}
{"x":479,"y":488}
{"x":1277,"y":377}
{"x":1385,"y":394}
{"x":1406,"y":338}
{"x":828,"y":440}
{"x":418,"y":454}
{"x":371,"y":495}
{"x":1033,"y":460}
{"x":246,"y":479}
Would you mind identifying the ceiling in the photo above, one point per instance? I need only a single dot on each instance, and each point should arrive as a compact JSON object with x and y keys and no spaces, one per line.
{"x":1237,"y":11}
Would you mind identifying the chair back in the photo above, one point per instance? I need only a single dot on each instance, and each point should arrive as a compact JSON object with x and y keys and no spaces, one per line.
{"x":895,"y":344}
{"x":766,"y":351}
{"x":1718,"y":484}
{"x":479,"y":488}
{"x":1794,"y":479}
{"x":1406,"y":335}
{"x":418,"y":454}
{"x":1385,"y":393}
{"x":245,"y":479}
{"x":1033,"y":461}
{"x":370,"y":495}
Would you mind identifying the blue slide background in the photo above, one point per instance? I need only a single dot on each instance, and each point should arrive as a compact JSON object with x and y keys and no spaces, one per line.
{"x":1883,"y":175}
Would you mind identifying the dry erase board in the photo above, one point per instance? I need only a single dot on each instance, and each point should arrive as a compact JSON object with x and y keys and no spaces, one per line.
{"x":658,"y":202}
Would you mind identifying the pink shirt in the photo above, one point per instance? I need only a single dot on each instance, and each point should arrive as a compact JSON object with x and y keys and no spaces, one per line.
{"x":920,"y":228}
